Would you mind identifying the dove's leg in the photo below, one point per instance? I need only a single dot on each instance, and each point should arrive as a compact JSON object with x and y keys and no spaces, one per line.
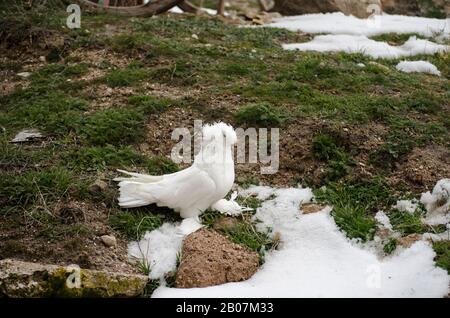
{"x":190,"y":213}
{"x":189,"y":226}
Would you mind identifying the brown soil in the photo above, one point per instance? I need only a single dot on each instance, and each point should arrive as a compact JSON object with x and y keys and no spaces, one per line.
{"x":73,"y":238}
{"x":422,"y":168}
{"x":209,"y":259}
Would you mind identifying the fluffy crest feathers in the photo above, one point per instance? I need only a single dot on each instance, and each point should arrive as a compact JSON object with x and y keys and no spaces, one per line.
{"x":218,"y":132}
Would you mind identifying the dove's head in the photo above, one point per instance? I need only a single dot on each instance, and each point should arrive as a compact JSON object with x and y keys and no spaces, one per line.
{"x":219,"y":132}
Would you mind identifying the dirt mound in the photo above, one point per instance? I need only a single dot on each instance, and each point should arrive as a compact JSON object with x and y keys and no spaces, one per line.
{"x":209,"y":259}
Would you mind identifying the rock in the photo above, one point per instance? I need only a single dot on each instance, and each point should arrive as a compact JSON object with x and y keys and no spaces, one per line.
{"x":358,"y":8}
{"x":25,"y":279}
{"x":225,"y":223}
{"x":24,"y":74}
{"x":27,"y":135}
{"x":265,"y":17}
{"x":381,"y":66}
{"x":98,"y":186}
{"x":210,"y":258}
{"x":109,"y":240}
{"x":308,"y":208}
{"x":42,"y":58}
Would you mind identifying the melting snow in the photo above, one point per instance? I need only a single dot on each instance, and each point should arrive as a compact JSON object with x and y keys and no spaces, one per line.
{"x":383,"y":219}
{"x":339,"y":23}
{"x":418,"y":67}
{"x":366,"y":46}
{"x":406,"y":206}
{"x":437,"y":203}
{"x":316,"y":260}
{"x":159,"y":248}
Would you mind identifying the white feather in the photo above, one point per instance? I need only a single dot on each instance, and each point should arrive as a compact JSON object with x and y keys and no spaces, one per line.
{"x":192,"y":190}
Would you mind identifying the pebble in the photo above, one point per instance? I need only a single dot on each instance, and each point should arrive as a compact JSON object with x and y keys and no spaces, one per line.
{"x":24,"y":74}
{"x":109,"y":240}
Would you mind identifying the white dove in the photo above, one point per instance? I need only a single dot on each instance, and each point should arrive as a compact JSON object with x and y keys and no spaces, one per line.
{"x":193,"y":190}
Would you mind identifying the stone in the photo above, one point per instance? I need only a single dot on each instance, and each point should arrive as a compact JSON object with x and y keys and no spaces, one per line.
{"x":383,"y":67}
{"x":209,"y":258}
{"x":225,"y":223}
{"x":24,"y":74}
{"x":98,"y":186}
{"x":27,"y":135}
{"x":26,"y":279}
{"x":308,"y":208}
{"x":109,"y":240}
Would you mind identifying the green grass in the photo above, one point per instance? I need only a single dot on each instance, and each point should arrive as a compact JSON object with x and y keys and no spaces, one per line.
{"x":134,"y":224}
{"x":51,"y":111}
{"x":125,"y":77}
{"x":390,"y":246}
{"x":442,"y":249}
{"x":244,"y":232}
{"x":161,"y":165}
{"x":60,"y":70}
{"x":354,"y":204}
{"x":103,"y":157}
{"x":397,"y":39}
{"x":44,"y":185}
{"x":150,"y":104}
{"x":261,"y":114}
{"x":410,"y":223}
{"x":339,"y":162}
{"x":354,"y":222}
{"x":424,"y":102}
{"x":115,"y":127}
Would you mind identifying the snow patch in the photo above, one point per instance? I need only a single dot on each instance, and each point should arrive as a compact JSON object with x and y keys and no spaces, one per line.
{"x":406,"y":206}
{"x":437,"y":203}
{"x":177,"y":9}
{"x":159,"y":248}
{"x":260,"y":192}
{"x":364,"y":45}
{"x":383,"y":219}
{"x":418,"y":67}
{"x":315,"y":259}
{"x":339,"y":23}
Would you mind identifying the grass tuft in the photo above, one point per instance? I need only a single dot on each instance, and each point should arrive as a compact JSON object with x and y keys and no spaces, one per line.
{"x":115,"y":127}
{"x":261,"y":114}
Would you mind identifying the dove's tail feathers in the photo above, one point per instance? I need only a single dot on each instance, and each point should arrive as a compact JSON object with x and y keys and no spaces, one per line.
{"x":138,"y":177}
{"x":132,"y":195}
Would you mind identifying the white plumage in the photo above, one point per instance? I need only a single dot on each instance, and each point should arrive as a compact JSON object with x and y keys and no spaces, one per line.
{"x":192,"y":190}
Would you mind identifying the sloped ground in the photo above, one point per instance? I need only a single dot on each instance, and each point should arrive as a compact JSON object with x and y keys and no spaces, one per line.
{"x":108,"y":96}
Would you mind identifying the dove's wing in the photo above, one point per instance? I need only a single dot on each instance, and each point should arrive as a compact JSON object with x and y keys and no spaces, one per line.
{"x":187,"y":190}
